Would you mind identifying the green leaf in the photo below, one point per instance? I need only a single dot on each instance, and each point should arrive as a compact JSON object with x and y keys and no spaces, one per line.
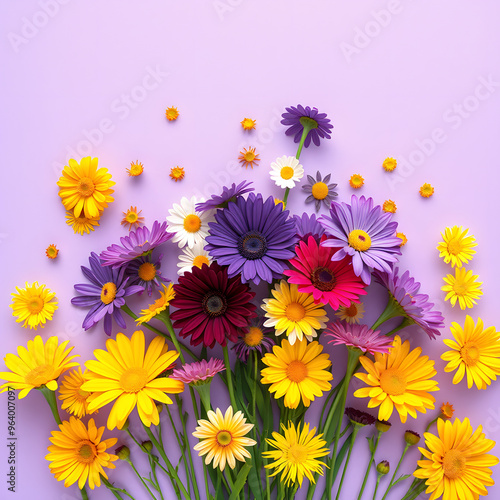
{"x":240,"y":481}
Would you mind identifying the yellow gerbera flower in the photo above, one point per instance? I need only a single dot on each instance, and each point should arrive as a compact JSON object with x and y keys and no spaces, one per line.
{"x":223,"y":438}
{"x":248,"y":157}
{"x":37,"y":365}
{"x":426,"y":190}
{"x":389,"y":206}
{"x":294,"y":313}
{"x":475,"y":352}
{"x":158,"y":305}
{"x":462,"y":287}
{"x":52,"y":251}
{"x":248,"y":123}
{"x":85,"y":189}
{"x":356,"y":181}
{"x":352,"y":314}
{"x":74,"y":399}
{"x":456,"y":463}
{"x":78,"y":453}
{"x":298,"y":372}
{"x":81,"y":225}
{"x":125,"y":373}
{"x":400,"y":379}
{"x":172,"y":113}
{"x":389,"y":164}
{"x":296,"y":454}
{"x":132,"y":218}
{"x":34,"y":305}
{"x":136,"y":169}
{"x":456,"y":247}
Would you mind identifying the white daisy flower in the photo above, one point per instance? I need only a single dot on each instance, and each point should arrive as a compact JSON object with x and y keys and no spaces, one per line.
{"x":190,"y":227}
{"x":191,"y":257}
{"x":286,"y":171}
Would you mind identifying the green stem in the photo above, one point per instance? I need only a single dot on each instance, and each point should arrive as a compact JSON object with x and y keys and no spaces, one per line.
{"x":305,"y":132}
{"x":376,"y":486}
{"x":83,"y":491}
{"x":140,"y":477}
{"x":391,"y":483}
{"x":229,"y":378}
{"x":112,"y":488}
{"x":285,"y":198}
{"x":392,"y":310}
{"x":351,"y":446}
{"x":417,"y":487}
{"x":50,"y":397}
{"x":372,"y":459}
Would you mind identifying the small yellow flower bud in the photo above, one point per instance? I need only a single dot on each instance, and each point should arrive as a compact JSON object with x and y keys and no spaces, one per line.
{"x":123,"y":452}
{"x":412,"y":438}
{"x":383,"y":467}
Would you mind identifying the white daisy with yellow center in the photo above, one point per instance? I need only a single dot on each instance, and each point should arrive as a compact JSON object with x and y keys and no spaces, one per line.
{"x":193,"y":257}
{"x":286,"y":171}
{"x":190,"y":226}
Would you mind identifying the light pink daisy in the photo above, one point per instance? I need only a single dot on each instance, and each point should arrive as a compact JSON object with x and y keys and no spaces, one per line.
{"x":200,"y":372}
{"x":358,"y":336}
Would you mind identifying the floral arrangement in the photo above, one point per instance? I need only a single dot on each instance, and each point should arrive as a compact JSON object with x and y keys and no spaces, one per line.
{"x":273,"y":288}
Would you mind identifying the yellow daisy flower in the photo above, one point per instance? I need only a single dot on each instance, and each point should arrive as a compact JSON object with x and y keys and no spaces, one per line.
{"x":294,"y":313}
{"x":296,"y":455}
{"x":223,"y":438}
{"x":37,"y":365}
{"x":299,"y":372}
{"x":456,"y":463}
{"x":78,"y":454}
{"x":389,"y":206}
{"x":475,"y":352}
{"x":426,"y":190}
{"x":82,"y":225}
{"x":177,"y":173}
{"x":129,"y":375}
{"x":462,"y":287}
{"x":248,"y":124}
{"x":403,"y":238}
{"x":389,"y":164}
{"x":248,"y":157}
{"x":132,"y":218}
{"x":85,"y":189}
{"x":35,"y":305}
{"x":158,"y":305}
{"x":356,"y":181}
{"x":172,"y":114}
{"x":136,"y":169}
{"x":352,"y":314}
{"x":456,"y":247}
{"x":400,"y":379}
{"x":74,"y":400}
{"x":51,"y":252}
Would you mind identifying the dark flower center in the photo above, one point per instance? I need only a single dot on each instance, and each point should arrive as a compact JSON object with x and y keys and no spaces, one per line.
{"x":323,"y":279}
{"x":214,"y":304}
{"x":252,"y":245}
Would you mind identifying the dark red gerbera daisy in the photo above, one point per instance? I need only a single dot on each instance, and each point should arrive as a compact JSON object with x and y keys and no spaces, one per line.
{"x":211,"y":306}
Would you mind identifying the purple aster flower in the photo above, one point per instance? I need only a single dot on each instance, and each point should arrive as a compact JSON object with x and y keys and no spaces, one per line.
{"x":299,"y":119}
{"x":252,"y":237}
{"x":404,"y":300}
{"x":105,"y":295}
{"x":145,"y":272}
{"x":320,"y":190}
{"x":256,"y":338}
{"x":365,"y":233}
{"x":358,"y":336}
{"x":200,"y":372}
{"x":227,"y":195}
{"x":307,"y":225}
{"x":136,"y":244}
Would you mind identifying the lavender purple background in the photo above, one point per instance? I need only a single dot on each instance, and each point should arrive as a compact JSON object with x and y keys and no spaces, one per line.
{"x":415,"y":80}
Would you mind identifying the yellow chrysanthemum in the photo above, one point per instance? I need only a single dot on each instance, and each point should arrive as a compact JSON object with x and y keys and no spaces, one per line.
{"x":79,"y":454}
{"x":352,"y":314}
{"x":299,"y":372}
{"x":294,"y":313}
{"x":456,"y":464}
{"x":389,"y":164}
{"x":37,"y":365}
{"x":130,"y":375}
{"x":475,"y":352}
{"x":296,"y":455}
{"x":462,"y":287}
{"x":456,"y":247}
{"x":389,"y":206}
{"x":82,"y":225}
{"x":74,"y":399}
{"x":132,"y":218}
{"x":400,"y":379}
{"x":356,"y":181}
{"x":52,"y":251}
{"x":136,"y":169}
{"x":223,"y":438}
{"x":403,"y":238}
{"x":158,"y":305}
{"x":35,"y":305}
{"x":172,"y":114}
{"x":426,"y":190}
{"x":85,"y":189}
{"x":248,"y":157}
{"x":248,"y":123}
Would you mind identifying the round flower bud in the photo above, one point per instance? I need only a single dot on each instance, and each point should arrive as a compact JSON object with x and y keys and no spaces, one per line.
{"x":147,"y":445}
{"x":382,"y":425}
{"x":412,"y":438}
{"x":125,"y":425}
{"x":123,"y":452}
{"x":159,"y":407}
{"x":383,"y":467}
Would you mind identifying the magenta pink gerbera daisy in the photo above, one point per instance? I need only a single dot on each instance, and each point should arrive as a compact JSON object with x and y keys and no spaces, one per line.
{"x":332,"y":282}
{"x":358,"y":336}
{"x":200,"y":372}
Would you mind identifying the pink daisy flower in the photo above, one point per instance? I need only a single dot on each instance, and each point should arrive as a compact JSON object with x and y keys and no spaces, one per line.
{"x":200,"y":372}
{"x":332,"y":282}
{"x":358,"y":336}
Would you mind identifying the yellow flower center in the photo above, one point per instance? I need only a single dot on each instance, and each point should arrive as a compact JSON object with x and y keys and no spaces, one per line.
{"x":297,"y":454}
{"x":52,"y":251}
{"x":40,"y":375}
{"x":224,"y":438}
{"x":108,"y":292}
{"x":136,"y":169}
{"x":87,"y":452}
{"x":454,"y":464}
{"x":176,"y":172}
{"x":295,"y":311}
{"x":199,"y":260}
{"x":85,"y":187}
{"x":359,"y":240}
{"x":320,"y":190}
{"x":82,"y":394}
{"x":351,"y":311}
{"x":253,"y":337}
{"x":131,"y":217}
{"x":454,"y":247}
{"x":192,"y":223}
{"x":470,"y":354}
{"x":35,"y":305}
{"x":133,"y":379}
{"x":147,"y":271}
{"x":460,"y":288}
{"x":296,"y":371}
{"x":393,"y":382}
{"x":249,"y":156}
{"x":286,"y":173}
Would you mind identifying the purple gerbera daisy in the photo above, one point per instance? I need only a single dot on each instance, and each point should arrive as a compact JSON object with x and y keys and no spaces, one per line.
{"x":358,"y":336}
{"x":307,"y":225}
{"x":307,"y":121}
{"x":365,"y":233}
{"x":200,"y":372}
{"x":136,"y":244}
{"x":105,"y":295}
{"x":252,"y":237}
{"x":256,"y":338}
{"x":404,"y":300}
{"x":228,"y":194}
{"x":145,"y":272}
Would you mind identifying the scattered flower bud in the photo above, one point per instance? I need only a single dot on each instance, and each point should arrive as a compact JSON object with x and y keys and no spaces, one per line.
{"x":383,"y":467}
{"x":382,"y":425}
{"x":147,"y":445}
{"x":123,"y":452}
{"x":412,"y":438}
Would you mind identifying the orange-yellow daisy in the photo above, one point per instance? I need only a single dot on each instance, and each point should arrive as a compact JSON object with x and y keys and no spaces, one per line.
{"x":389,"y":164}
{"x":403,"y":238}
{"x":426,"y":190}
{"x":352,"y":314}
{"x":447,"y":410}
{"x":248,"y":124}
{"x":463,"y":287}
{"x":172,"y":114}
{"x":159,"y":305}
{"x":457,"y":248}
{"x":82,"y":225}
{"x":248,"y":157}
{"x":136,"y":169}
{"x":356,"y":181}
{"x":51,"y":252}
{"x":389,"y":206}
{"x":177,"y":173}
{"x":132,"y":218}
{"x":74,"y":399}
